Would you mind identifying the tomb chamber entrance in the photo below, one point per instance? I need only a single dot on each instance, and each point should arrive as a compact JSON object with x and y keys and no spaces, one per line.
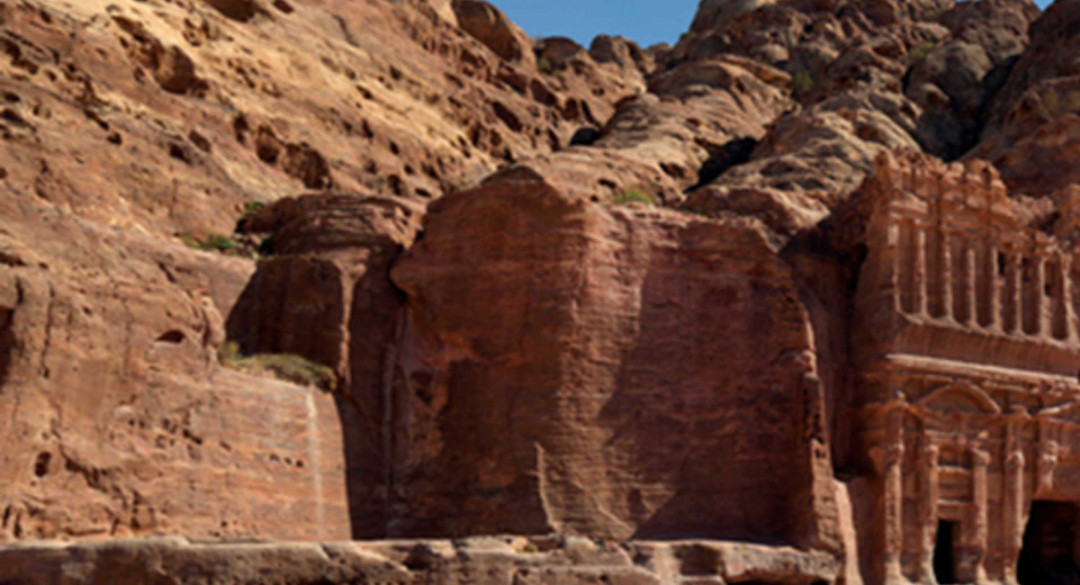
{"x":1050,"y":549}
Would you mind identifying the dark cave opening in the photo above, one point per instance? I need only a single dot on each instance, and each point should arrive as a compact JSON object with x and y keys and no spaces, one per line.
{"x":945,"y":552}
{"x":1048,"y":556}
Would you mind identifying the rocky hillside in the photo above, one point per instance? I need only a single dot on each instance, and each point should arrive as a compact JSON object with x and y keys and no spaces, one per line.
{"x":512,"y":285}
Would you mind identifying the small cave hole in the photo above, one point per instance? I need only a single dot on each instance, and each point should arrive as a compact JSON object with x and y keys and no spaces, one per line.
{"x":173,"y":336}
{"x":585,"y":136}
{"x":697,"y":561}
{"x":41,"y":464}
{"x":180,"y":153}
{"x":419,"y":559}
{"x":199,"y":141}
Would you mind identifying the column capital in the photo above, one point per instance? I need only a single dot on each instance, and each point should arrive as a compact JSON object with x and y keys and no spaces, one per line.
{"x":1015,"y":461}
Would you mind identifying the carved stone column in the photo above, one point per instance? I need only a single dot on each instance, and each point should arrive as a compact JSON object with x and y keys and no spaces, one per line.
{"x":892,"y":252}
{"x":931,"y":494}
{"x":996,"y":290}
{"x":969,"y":286}
{"x":1013,"y":494}
{"x":919,"y":276}
{"x":1049,"y":452}
{"x":892,"y":471}
{"x":980,"y":461}
{"x":1014,"y":288}
{"x":1038,"y":297}
{"x":946,"y":275}
{"x":1064,"y":304}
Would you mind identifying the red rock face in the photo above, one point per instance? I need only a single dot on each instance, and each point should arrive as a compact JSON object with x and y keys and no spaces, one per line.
{"x":125,"y":126}
{"x":620,"y":293}
{"x":575,"y":367}
{"x":125,"y":423}
{"x":327,"y":295}
{"x":1033,"y":125}
{"x":549,"y":560}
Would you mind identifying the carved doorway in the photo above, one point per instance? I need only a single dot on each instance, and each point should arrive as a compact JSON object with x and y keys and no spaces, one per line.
{"x":948,"y":535}
{"x":1049,"y":555}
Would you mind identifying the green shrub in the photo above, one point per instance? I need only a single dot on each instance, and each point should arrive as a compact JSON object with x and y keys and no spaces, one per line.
{"x":218,"y":242}
{"x":921,"y":51}
{"x":214,"y":243}
{"x":802,"y":83}
{"x":1059,"y":104}
{"x":634,"y":196}
{"x":228,"y":353}
{"x":190,"y":241}
{"x":1072,"y":100}
{"x":285,"y":366}
{"x":1052,"y":102}
{"x":545,"y":66}
{"x":252,"y":206}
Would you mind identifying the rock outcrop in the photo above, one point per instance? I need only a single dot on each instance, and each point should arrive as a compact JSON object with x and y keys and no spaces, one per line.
{"x":131,"y":128}
{"x":326,"y":295}
{"x":1033,"y":127}
{"x":118,"y":420}
{"x":544,"y":300}
{"x":567,"y":367}
{"x":481,"y":561}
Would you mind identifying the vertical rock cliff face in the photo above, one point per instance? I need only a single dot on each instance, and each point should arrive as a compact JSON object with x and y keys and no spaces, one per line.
{"x":621,"y":372}
{"x":327,"y":295}
{"x":129,"y":129}
{"x":118,"y":420}
{"x":692,"y":299}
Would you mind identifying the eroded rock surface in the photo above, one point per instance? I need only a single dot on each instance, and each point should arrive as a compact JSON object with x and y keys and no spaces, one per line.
{"x":482,"y":561}
{"x":1032,"y":136}
{"x":605,"y":293}
{"x":586,"y":392}
{"x":131,"y":127}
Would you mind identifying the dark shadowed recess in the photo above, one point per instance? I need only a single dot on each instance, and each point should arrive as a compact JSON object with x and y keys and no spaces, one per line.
{"x":6,"y":342}
{"x":1049,"y":541}
{"x":731,"y":154}
{"x":270,"y":317}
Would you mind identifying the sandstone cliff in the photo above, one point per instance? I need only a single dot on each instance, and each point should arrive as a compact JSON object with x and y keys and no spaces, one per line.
{"x":514,"y":286}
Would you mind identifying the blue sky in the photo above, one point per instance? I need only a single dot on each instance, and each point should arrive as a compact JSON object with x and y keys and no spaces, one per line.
{"x":645,"y":21}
